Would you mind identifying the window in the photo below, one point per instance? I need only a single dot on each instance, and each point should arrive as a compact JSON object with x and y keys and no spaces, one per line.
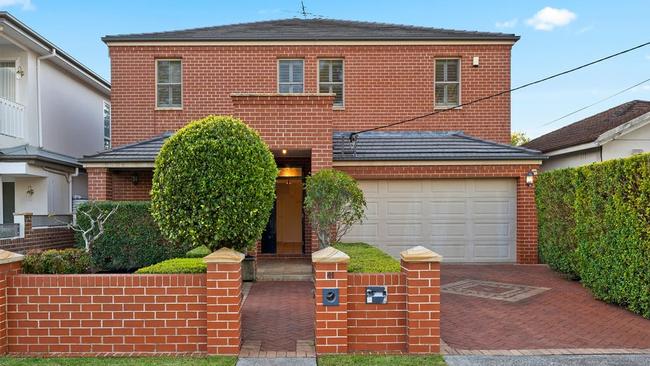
{"x":291,"y":76}
{"x":8,"y":80}
{"x":107,"y":125}
{"x":330,"y":79}
{"x":447,"y":83}
{"x":169,"y":87}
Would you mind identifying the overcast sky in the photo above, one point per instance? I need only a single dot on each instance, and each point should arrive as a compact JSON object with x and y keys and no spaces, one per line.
{"x":555,"y":35}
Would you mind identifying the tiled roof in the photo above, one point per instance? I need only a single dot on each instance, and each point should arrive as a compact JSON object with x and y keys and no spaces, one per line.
{"x":29,"y":152}
{"x":311,"y":30}
{"x":590,"y":128}
{"x":140,"y":152}
{"x":416,"y":145}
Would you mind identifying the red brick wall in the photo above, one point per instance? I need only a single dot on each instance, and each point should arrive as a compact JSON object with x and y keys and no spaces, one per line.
{"x":39,"y":238}
{"x":526,"y":207}
{"x":125,"y":190}
{"x":117,"y":313}
{"x":382,"y":84}
{"x":377,"y":328}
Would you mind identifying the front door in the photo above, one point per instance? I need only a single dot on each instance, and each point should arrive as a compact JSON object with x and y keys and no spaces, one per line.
{"x":8,"y":202}
{"x":288,"y":215}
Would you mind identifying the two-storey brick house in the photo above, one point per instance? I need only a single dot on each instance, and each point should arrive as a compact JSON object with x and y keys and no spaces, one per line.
{"x":449,"y":182}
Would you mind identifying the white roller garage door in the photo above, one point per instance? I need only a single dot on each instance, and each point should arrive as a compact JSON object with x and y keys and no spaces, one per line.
{"x":464,"y":220}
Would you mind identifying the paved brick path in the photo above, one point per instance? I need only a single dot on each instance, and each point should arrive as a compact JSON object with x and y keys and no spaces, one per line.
{"x":566,"y":316}
{"x":278,"y":314}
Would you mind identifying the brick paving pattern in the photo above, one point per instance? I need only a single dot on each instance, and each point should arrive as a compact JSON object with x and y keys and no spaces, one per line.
{"x":562,"y":318}
{"x":278,"y":314}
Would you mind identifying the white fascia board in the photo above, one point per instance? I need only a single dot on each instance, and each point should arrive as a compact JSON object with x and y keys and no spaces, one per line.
{"x":571,"y":149}
{"x":21,"y":169}
{"x":623,"y":129}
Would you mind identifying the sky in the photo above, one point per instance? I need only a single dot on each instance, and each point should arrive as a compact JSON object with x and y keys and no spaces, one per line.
{"x":555,"y":36}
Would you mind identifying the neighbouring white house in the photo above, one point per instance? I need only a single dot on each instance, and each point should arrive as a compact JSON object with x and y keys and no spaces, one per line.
{"x":53,"y":110}
{"x":618,"y":132}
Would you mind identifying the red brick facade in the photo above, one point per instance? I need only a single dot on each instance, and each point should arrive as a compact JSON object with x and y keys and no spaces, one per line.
{"x":382,"y":84}
{"x":39,"y":238}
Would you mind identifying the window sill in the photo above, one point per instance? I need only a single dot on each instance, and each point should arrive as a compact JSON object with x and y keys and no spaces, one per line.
{"x":446,"y":107}
{"x":338,"y":108}
{"x":169,"y":108}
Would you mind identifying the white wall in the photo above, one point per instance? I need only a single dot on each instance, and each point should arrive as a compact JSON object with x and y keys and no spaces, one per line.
{"x":623,"y":146}
{"x":35,"y":203}
{"x":574,"y":159}
{"x":72,"y":113}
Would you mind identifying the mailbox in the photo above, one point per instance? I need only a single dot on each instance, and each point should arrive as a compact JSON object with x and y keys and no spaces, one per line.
{"x":330,"y":296}
{"x":376,"y":295}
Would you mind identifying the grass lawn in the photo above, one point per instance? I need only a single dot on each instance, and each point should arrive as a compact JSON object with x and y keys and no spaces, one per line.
{"x":368,"y":259}
{"x":121,"y":361}
{"x":380,"y":360}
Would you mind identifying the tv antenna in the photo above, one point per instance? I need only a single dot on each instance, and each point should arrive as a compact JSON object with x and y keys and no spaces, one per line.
{"x":305,"y":14}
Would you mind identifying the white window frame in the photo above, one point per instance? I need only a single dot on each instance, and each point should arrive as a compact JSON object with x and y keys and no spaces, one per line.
{"x":459,"y":83}
{"x":156,"y":86}
{"x":110,"y":125}
{"x":342,"y":105}
{"x":16,"y":83}
{"x":290,"y":74}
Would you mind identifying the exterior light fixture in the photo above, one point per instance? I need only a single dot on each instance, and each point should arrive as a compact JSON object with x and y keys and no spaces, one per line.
{"x":20,"y":72}
{"x":135,"y":178}
{"x":530,"y":178}
{"x":284,"y":151}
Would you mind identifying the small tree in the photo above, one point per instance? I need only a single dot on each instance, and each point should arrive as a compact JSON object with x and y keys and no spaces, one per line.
{"x":214,"y":184}
{"x":518,"y":138}
{"x":334,"y":202}
{"x":93,"y":227}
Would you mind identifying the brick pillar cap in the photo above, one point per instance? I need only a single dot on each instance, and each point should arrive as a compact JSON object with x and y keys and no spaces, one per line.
{"x":10,"y":257}
{"x":24,"y":214}
{"x":330,"y":255}
{"x":224,"y":255}
{"x":420,"y":254}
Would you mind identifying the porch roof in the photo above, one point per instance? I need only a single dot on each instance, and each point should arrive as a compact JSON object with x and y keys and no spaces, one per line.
{"x":34,"y":153}
{"x":370,"y":146}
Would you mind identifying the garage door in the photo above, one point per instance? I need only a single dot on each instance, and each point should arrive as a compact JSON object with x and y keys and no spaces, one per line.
{"x":464,"y":220}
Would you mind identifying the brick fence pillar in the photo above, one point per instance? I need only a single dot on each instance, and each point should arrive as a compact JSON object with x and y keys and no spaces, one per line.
{"x":9,"y":264}
{"x":224,"y":301}
{"x":331,"y":272}
{"x":421,"y":267}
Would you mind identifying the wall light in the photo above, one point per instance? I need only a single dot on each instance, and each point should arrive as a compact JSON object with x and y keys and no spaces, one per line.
{"x":530,"y":178}
{"x":284,"y":151}
{"x":135,"y":178}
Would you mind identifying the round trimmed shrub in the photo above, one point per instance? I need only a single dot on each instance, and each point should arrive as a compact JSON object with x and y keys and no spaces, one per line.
{"x":214,"y":184}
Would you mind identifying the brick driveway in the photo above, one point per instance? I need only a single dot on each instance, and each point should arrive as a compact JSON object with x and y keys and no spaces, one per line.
{"x":565,"y":316}
{"x":278,"y":314}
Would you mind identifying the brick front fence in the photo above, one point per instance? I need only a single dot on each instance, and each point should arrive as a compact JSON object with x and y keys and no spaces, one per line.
{"x":409,"y":322}
{"x":119,"y":314}
{"x":45,"y":237}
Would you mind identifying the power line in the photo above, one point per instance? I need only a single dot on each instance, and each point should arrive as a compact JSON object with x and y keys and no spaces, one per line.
{"x":597,"y":102}
{"x":354,"y":135}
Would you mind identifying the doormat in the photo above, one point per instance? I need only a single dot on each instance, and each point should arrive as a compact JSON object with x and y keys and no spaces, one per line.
{"x":492,"y":290}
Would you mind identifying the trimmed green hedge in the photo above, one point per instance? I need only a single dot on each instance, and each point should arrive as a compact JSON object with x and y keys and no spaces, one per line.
{"x":365,"y":258}
{"x":555,"y":197}
{"x":611,"y":211}
{"x":198,"y":252}
{"x":176,"y":265}
{"x":131,"y":239}
{"x":55,"y":261}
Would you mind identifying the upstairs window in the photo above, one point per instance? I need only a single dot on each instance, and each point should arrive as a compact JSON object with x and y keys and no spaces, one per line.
{"x":447,"y":87}
{"x":107,"y":125}
{"x":330,"y":79}
{"x":291,"y":76}
{"x":8,"y":80}
{"x":169,"y":85}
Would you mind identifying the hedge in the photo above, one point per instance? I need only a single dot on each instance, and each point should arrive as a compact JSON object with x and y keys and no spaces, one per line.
{"x":131,"y":239}
{"x":176,"y":265}
{"x":365,"y":258}
{"x":57,"y":261}
{"x":611,"y":211}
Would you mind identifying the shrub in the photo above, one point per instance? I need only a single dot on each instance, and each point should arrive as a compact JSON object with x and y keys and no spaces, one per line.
{"x":131,"y":239}
{"x":176,"y":265}
{"x":365,"y":258}
{"x":65,"y":261}
{"x":555,"y":198}
{"x":334,"y":202}
{"x":214,"y":184}
{"x":198,"y":252}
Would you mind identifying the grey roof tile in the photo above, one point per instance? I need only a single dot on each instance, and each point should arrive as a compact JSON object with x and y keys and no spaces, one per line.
{"x":27,"y":152}
{"x":141,"y":151}
{"x":311,"y":30}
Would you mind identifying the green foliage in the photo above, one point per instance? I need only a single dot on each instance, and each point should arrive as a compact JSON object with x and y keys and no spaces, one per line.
{"x":198,"y":252}
{"x":176,"y":265}
{"x":334,"y":202}
{"x":611,"y":212}
{"x":555,"y":197}
{"x":214,"y":184}
{"x":65,"y":261}
{"x":131,"y":239}
{"x":365,"y":258}
{"x":518,"y":138}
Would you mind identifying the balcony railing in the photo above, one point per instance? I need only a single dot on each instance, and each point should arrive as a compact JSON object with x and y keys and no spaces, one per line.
{"x":11,"y":118}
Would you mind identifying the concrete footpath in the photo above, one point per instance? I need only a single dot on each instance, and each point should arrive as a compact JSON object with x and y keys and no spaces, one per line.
{"x":563,"y":360}
{"x":285,"y":361}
